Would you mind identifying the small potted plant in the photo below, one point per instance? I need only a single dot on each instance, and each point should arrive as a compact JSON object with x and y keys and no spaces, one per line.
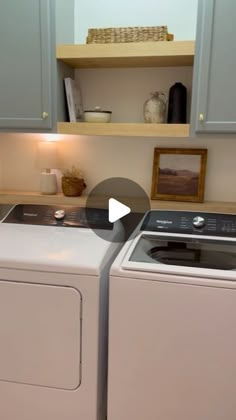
{"x":72,"y":182}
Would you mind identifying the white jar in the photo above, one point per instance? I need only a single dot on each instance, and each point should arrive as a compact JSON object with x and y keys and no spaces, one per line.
{"x":155,"y":108}
{"x":97,"y":115}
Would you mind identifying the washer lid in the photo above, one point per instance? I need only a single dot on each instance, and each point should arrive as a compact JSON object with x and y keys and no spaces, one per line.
{"x":182,"y":254}
{"x":55,"y":249}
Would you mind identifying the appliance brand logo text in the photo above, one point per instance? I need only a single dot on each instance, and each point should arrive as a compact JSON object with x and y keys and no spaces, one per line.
{"x":31,"y":214}
{"x":165,"y":222}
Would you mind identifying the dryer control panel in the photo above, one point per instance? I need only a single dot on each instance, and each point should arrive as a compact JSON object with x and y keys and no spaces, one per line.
{"x":189,"y":222}
{"x":66,"y":216}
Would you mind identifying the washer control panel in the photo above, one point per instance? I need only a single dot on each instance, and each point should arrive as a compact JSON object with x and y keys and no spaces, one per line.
{"x":66,"y":216}
{"x":189,"y":222}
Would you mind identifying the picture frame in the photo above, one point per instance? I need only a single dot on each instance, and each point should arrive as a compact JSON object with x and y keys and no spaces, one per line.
{"x":179,"y":174}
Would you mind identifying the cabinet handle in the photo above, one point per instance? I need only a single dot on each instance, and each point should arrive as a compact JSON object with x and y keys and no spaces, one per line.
{"x":201,"y":117}
{"x":44,"y":115}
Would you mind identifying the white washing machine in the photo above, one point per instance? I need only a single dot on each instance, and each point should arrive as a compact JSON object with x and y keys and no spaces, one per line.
{"x":53,"y":312}
{"x":172,"y":320}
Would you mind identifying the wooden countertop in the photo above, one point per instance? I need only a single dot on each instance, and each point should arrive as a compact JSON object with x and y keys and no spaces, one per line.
{"x":16,"y":197}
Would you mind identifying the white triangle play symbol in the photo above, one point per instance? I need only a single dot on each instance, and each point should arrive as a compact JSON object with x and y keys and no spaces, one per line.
{"x":117,"y":210}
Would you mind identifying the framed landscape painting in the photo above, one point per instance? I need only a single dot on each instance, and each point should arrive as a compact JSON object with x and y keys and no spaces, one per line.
{"x":179,"y":174}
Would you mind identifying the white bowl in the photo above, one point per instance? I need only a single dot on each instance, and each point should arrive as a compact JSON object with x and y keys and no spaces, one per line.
{"x":97,"y":115}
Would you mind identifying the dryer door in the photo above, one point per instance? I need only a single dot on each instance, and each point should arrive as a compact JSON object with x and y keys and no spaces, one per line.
{"x":40,"y":335}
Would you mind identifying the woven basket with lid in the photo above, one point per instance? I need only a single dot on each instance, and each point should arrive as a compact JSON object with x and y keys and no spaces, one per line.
{"x":129,"y":34}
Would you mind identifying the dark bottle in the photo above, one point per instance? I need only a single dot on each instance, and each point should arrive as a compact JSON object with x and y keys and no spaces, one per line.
{"x":177,"y":104}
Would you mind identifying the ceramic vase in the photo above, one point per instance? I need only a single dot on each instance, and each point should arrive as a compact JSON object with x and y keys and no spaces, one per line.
{"x":155,"y":108}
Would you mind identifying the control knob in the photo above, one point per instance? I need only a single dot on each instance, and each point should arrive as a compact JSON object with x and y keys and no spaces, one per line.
{"x":198,"y":222}
{"x":59,"y":214}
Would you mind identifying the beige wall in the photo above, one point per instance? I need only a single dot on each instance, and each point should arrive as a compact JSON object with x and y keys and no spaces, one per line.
{"x":100,"y":158}
{"x":124,"y":91}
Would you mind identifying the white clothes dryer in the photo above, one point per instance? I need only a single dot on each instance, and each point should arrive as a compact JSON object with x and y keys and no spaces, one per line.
{"x":172,"y":317}
{"x":53,"y":312}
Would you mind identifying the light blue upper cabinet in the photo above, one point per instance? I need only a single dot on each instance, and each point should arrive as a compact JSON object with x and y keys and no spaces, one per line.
{"x":31,"y":84}
{"x":26,"y":43}
{"x":214,"y":88}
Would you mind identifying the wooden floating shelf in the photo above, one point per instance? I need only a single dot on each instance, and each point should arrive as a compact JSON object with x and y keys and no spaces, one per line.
{"x":34,"y":197}
{"x":124,"y":129}
{"x":27,"y":197}
{"x":141,"y":54}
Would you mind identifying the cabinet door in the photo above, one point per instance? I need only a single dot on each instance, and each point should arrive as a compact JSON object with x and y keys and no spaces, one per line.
{"x":214,"y":92}
{"x":26,"y":39}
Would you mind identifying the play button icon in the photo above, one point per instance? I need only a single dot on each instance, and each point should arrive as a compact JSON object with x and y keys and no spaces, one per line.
{"x":117,"y":210}
{"x":119,"y":202}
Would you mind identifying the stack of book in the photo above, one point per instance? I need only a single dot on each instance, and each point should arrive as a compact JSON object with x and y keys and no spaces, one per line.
{"x":74,"y":100}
